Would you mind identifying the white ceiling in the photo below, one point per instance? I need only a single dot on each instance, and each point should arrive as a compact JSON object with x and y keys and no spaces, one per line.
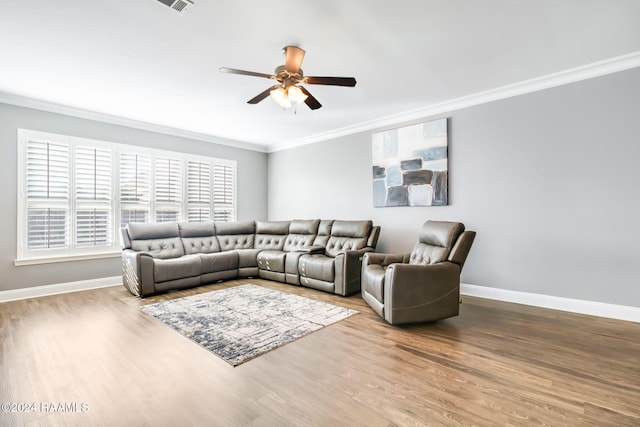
{"x":140,"y":60}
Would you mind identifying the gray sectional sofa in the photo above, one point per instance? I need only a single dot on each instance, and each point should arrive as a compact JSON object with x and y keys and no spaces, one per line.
{"x":320,"y":254}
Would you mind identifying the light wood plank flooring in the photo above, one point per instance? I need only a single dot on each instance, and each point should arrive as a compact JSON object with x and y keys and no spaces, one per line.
{"x":496,"y":364}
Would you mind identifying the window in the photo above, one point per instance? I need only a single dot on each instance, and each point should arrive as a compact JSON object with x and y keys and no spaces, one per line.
{"x":75,"y":194}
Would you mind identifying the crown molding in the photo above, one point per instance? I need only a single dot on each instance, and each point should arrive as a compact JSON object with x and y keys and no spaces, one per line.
{"x":596,"y":69}
{"x":52,"y":107}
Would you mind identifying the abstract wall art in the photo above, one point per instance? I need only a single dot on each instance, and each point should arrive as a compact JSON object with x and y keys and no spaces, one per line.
{"x":410,"y":165}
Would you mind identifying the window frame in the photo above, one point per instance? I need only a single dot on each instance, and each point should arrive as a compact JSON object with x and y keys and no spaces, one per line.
{"x":26,"y":256}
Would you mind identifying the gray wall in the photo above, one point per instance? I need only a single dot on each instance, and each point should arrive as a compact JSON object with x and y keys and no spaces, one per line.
{"x":549,"y":180}
{"x":252,"y":188}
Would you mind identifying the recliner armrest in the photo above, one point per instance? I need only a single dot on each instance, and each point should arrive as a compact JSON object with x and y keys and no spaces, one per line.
{"x":407,"y":275}
{"x":384,"y":259}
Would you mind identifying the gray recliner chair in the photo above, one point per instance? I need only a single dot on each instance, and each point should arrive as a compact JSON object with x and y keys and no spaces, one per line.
{"x":424,"y":285}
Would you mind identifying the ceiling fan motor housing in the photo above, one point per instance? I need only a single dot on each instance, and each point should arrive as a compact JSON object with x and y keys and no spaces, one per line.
{"x":288,"y":78}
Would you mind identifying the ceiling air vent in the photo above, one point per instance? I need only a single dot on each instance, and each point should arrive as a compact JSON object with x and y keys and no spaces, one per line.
{"x":179,"y":5}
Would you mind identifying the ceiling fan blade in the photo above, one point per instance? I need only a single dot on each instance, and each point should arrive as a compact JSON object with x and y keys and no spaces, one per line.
{"x":261,"y":95}
{"x":333,"y":81}
{"x":246,"y":73}
{"x":311,"y":101}
{"x":294,"y":57}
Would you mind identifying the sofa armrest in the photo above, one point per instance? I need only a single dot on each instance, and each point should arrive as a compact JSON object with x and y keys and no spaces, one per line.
{"x":410,"y":290}
{"x":137,"y":272}
{"x":315,"y":249}
{"x":348,"y":270}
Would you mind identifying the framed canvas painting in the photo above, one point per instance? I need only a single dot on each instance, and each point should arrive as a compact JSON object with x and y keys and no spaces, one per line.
{"x":410,"y":165}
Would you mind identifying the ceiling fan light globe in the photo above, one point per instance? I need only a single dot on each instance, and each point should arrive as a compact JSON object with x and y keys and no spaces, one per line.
{"x":296,"y":95}
{"x":279,"y":95}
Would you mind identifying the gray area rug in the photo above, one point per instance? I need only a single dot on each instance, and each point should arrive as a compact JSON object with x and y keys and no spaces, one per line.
{"x":240,"y":323}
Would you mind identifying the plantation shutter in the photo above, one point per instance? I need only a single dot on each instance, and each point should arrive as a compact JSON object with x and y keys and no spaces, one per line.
{"x":223,"y":192}
{"x":93,"y":197}
{"x":75,"y":193}
{"x":134,"y":188}
{"x":47,"y":194}
{"x":168,"y":189}
{"x":198,"y":191}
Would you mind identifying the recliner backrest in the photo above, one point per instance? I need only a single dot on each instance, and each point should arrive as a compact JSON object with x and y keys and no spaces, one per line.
{"x":235,"y":235}
{"x":271,"y":235}
{"x":435,"y":242}
{"x":198,"y":237}
{"x":348,"y":235}
{"x":161,"y":240}
{"x":302,"y":233}
{"x":461,"y":249}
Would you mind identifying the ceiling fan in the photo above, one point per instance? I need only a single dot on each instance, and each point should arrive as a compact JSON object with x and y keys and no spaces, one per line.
{"x":289,"y":77}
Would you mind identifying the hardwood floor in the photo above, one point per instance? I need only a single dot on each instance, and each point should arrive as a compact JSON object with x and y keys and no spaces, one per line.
{"x":496,"y":364}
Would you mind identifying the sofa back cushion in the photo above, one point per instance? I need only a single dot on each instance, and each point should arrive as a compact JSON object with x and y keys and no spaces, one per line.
{"x":198,"y":237}
{"x":235,"y":235}
{"x":301,"y":233}
{"x":435,"y":242}
{"x":161,"y":240}
{"x":270,"y":235}
{"x":348,"y":235}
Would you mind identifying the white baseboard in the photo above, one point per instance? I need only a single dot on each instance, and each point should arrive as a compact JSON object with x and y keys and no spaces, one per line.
{"x":612,"y":311}
{"x":60,"y":288}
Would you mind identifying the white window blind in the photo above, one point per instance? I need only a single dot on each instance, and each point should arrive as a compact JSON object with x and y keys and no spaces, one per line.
{"x":168,"y":189}
{"x":198,"y":192}
{"x":47,"y":182}
{"x":223,"y":193}
{"x":93,"y":173}
{"x":135,"y":188}
{"x":76,"y":193}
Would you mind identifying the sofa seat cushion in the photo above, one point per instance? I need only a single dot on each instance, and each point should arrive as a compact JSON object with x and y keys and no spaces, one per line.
{"x":177,"y":268}
{"x":272,"y":261}
{"x":317,"y":266}
{"x":220,"y":261}
{"x":373,"y":281}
